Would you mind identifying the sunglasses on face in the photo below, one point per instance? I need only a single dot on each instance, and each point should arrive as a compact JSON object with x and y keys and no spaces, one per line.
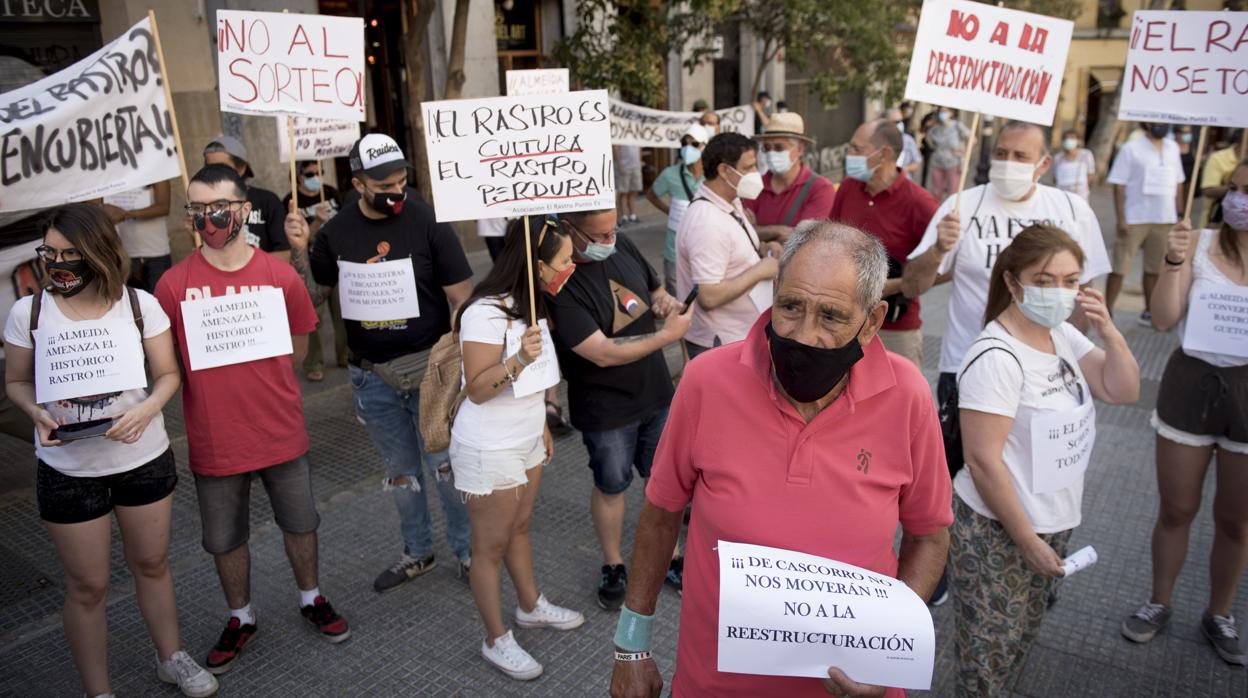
{"x":214,"y":207}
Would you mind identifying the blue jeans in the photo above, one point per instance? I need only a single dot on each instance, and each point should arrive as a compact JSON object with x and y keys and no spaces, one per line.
{"x":615,"y":452}
{"x":393,"y":423}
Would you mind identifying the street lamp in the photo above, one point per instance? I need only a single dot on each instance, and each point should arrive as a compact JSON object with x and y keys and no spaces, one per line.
{"x":985,"y":148}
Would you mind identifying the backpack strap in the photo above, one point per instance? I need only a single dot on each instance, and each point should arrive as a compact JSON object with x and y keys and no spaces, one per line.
{"x":802,"y":195}
{"x":36,"y":304}
{"x":757,"y":247}
{"x":999,"y":348}
{"x":684,"y":183}
{"x":135,"y":311}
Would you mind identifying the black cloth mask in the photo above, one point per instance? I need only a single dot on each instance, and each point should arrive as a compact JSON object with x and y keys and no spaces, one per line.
{"x":70,"y":278}
{"x":388,"y":204}
{"x":217,"y":229}
{"x":1159,"y":131}
{"x":808,"y":373}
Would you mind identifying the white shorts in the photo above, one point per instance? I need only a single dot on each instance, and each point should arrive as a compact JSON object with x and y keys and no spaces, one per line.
{"x":479,"y":473}
{"x":1184,"y":438}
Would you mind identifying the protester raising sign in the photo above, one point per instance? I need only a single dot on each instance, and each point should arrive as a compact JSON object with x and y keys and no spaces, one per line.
{"x":651,"y":128}
{"x":98,"y":127}
{"x":1187,"y":68}
{"x":981,"y":58}
{"x":514,"y":156}
{"x":316,"y":139}
{"x":277,"y":63}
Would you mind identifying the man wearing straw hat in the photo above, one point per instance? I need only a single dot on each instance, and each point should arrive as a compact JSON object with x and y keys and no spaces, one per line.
{"x":792,"y":192}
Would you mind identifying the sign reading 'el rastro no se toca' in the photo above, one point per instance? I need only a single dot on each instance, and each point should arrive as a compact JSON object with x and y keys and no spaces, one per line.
{"x":98,"y":127}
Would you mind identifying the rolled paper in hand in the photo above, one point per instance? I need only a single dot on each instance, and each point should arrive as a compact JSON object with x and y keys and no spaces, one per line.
{"x":1082,"y":559}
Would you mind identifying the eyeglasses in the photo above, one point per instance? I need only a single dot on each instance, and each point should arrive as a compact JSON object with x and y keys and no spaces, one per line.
{"x":50,"y":254}
{"x":1070,"y":380}
{"x":215,"y":207}
{"x":605,"y":239}
{"x":775,"y":147}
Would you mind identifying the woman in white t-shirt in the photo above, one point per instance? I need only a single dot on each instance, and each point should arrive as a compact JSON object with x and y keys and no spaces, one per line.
{"x":1028,"y":425}
{"x":500,"y":441}
{"x":1075,"y":168}
{"x":1202,"y":411}
{"x":87,"y":318}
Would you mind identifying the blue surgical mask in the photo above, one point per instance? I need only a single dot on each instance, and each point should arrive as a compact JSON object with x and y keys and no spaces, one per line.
{"x":1048,"y":307}
{"x":778,"y":161}
{"x":690,"y":154}
{"x":856,"y":167}
{"x":312,"y":183}
{"x":598,"y":252}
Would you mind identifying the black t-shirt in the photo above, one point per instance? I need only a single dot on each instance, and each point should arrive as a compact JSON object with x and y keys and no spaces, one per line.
{"x":266,"y":226}
{"x":308,"y":204}
{"x":437,"y":258}
{"x":612,"y":296}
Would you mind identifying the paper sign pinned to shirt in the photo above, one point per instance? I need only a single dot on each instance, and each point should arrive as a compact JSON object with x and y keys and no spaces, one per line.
{"x":236,"y":329}
{"x":91,"y":357}
{"x":1061,"y":446}
{"x":1217,"y":320}
{"x":785,"y":613}
{"x":378,"y":292}
{"x":543,"y":372}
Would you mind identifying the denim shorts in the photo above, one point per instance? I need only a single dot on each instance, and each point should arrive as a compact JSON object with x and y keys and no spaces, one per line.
{"x":225,"y":511}
{"x":615,"y":452}
{"x":479,"y":473}
{"x":70,"y":500}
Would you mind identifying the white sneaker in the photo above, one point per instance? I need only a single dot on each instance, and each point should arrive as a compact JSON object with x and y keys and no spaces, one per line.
{"x":547,"y":615}
{"x":193,"y":679}
{"x":511,"y":659}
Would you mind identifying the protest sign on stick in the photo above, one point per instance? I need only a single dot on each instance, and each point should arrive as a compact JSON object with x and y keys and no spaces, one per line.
{"x":315,"y":139}
{"x":1186,"y":68}
{"x":101,"y":126}
{"x":1191,"y":185}
{"x":652,"y":128}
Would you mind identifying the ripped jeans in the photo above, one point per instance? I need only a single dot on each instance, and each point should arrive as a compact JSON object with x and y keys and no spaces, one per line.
{"x":393,"y":423}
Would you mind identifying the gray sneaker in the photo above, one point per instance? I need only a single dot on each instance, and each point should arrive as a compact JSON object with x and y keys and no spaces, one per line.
{"x":1145,"y":623}
{"x":406,"y":568}
{"x":1221,"y":633}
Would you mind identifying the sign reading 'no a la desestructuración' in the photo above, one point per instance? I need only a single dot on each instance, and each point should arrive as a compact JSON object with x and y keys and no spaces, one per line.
{"x":292,"y":64}
{"x":1187,"y":68}
{"x":784,"y":613}
{"x":968,"y":55}
{"x":516,"y":156}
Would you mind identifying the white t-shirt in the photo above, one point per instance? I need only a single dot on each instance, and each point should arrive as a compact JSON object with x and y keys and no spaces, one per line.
{"x":1151,"y":178}
{"x":992,"y":385}
{"x":504,"y":421}
{"x":1206,"y":277}
{"x":144,"y":238}
{"x":989,"y":223}
{"x":491,"y":227}
{"x":1072,"y":175}
{"x":98,"y":456}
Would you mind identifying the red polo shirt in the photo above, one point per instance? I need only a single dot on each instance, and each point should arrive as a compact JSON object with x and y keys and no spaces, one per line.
{"x":758,"y":473}
{"x":897,"y":216}
{"x":771,"y":208}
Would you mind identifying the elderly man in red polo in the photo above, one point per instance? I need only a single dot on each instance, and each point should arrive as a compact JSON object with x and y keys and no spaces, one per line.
{"x":768,"y":436}
{"x":792,"y":192}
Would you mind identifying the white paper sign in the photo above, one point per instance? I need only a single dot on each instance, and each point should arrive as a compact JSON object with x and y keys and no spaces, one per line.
{"x":542,"y":373}
{"x":514,"y":156}
{"x":1186,"y":68}
{"x":1083,"y":559}
{"x":316,"y":139}
{"x":1061,"y":446}
{"x":651,"y":128}
{"x":1217,"y":320}
{"x":90,"y":357}
{"x":98,"y":127}
{"x":676,"y":213}
{"x":235,"y":329}
{"x":131,"y":199}
{"x":784,"y":613}
{"x":378,"y":292}
{"x":761,"y":295}
{"x":292,"y":64}
{"x":537,"y":82}
{"x":978,"y":57}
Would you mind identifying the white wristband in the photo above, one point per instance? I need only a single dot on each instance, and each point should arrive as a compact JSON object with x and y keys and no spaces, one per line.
{"x":631,"y":656}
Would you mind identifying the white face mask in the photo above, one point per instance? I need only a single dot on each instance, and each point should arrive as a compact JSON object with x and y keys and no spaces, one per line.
{"x":1047,"y":307}
{"x":1012,"y":180}
{"x":779,"y":162}
{"x":1070,"y":144}
{"x":749,"y":186}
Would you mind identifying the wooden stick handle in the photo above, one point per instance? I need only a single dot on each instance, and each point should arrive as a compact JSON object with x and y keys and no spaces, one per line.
{"x":966,"y":163}
{"x":294,"y":185}
{"x":173,"y":114}
{"x":321,"y":167}
{"x":528,"y":265}
{"x":1191,"y":186}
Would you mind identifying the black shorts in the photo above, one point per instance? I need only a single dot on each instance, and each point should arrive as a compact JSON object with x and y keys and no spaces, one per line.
{"x":68,"y":500}
{"x":1206,"y":404}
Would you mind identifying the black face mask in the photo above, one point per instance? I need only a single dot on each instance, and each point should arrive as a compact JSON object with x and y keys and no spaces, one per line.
{"x":808,"y":373}
{"x":1159,"y":131}
{"x":70,"y":278}
{"x":388,"y":204}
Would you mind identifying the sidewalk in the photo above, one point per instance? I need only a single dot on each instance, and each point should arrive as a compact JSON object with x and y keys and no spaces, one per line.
{"x":424,"y":638}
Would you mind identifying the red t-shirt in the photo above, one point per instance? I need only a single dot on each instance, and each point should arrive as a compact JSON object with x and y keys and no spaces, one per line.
{"x":897,"y":216}
{"x":758,"y":473}
{"x":771,"y":208}
{"x":248,"y":416}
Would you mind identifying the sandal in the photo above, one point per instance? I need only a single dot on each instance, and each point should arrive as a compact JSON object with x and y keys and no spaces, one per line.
{"x":316,"y":376}
{"x":555,"y":421}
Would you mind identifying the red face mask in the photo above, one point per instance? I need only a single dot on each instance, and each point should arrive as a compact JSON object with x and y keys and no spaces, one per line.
{"x":556,"y":284}
{"x":217,"y":229}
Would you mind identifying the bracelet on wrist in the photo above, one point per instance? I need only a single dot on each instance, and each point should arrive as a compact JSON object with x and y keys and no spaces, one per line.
{"x":520,"y":360}
{"x":511,"y":375}
{"x":1173,"y":263}
{"x":631,"y":656}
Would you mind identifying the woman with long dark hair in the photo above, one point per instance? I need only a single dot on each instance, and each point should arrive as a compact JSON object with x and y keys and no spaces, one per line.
{"x":128,"y":469}
{"x":1025,"y":396}
{"x":1202,"y":411}
{"x":500,"y":441}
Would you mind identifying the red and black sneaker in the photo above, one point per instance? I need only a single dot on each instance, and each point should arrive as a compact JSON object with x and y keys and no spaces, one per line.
{"x":233,"y":639}
{"x":329,"y":624}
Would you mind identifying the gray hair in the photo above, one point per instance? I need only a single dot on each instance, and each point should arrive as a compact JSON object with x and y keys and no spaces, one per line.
{"x":885,"y":135}
{"x":842,"y":240}
{"x":1016,"y":125}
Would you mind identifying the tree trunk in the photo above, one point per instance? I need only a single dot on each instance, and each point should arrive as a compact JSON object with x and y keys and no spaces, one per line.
{"x":1105,"y":135}
{"x":763,"y":59}
{"x":417,"y":14}
{"x":455,"y":60}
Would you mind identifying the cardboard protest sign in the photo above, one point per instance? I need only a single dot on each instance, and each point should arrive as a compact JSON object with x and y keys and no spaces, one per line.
{"x":98,"y":127}
{"x":543,"y":372}
{"x":982,"y":58}
{"x":1061,"y":447}
{"x":784,"y":613}
{"x":515,"y":156}
{"x":652,"y":128}
{"x":1187,"y":68}
{"x":93,"y":357}
{"x":1217,"y":320}
{"x":293,"y":64}
{"x":316,"y":139}
{"x":237,"y":328}
{"x":378,"y":291}
{"x":537,"y":82}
